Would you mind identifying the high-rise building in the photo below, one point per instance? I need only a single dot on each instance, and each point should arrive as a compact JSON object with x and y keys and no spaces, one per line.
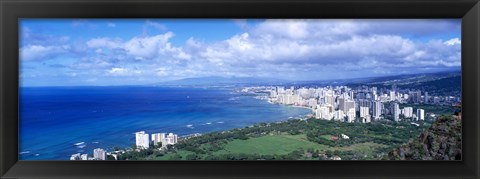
{"x":377,"y":109}
{"x":99,"y":154}
{"x":330,"y":99}
{"x":408,"y":112}
{"x":349,"y":104}
{"x":323,"y":112}
{"x":364,"y":112}
{"x":141,"y":140}
{"x":341,"y":103}
{"x":396,"y":112}
{"x":350,"y":94}
{"x":420,"y":114}
{"x":418,"y":96}
{"x":351,"y":115}
{"x":312,"y":103}
{"x":392,"y":95}
{"x":172,"y":138}
{"x":158,"y":137}
{"x":364,"y":103}
{"x":339,"y":115}
{"x":273,"y":94}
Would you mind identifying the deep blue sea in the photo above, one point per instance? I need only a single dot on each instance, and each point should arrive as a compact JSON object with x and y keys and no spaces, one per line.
{"x":56,"y":122}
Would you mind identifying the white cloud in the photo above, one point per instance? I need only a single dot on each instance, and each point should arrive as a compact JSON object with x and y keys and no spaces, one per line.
{"x":147,"y":47}
{"x":142,"y":48}
{"x":156,"y":25}
{"x":293,"y":29}
{"x":454,"y":41}
{"x":324,"y":43}
{"x":39,"y":52}
{"x":191,"y":42}
{"x":123,"y":72}
{"x":162,"y":72}
{"x":274,"y":48}
{"x":104,"y":43}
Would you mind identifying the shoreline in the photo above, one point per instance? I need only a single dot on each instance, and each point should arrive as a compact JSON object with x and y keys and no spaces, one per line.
{"x":303,"y":117}
{"x":186,"y":133}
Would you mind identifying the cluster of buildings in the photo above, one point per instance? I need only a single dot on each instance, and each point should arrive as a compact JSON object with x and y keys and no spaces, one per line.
{"x":98,"y":154}
{"x":362,"y":103}
{"x":143,"y":140}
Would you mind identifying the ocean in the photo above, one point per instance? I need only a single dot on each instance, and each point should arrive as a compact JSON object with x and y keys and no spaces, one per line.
{"x":56,"y":122}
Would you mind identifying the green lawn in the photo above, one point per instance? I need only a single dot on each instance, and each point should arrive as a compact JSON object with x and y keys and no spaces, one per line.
{"x":278,"y":144}
{"x":269,"y":145}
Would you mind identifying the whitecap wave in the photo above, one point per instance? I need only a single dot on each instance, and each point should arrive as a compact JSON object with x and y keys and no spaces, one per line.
{"x":233,"y":98}
{"x":36,"y":155}
{"x":208,"y":123}
{"x":190,"y":126}
{"x":81,"y":146}
{"x":26,"y":152}
{"x":80,"y":143}
{"x":221,"y":122}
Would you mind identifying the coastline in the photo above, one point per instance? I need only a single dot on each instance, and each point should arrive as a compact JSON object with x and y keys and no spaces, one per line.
{"x":239,"y":112}
{"x":303,"y":117}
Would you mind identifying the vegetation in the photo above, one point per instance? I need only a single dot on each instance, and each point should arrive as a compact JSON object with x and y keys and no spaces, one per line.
{"x":436,"y":109}
{"x":442,"y":141}
{"x":310,"y":139}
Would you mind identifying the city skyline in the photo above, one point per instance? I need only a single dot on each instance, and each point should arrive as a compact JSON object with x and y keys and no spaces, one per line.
{"x":85,"y":52}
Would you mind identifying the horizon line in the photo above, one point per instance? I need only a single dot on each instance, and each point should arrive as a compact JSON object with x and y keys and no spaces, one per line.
{"x":286,"y":81}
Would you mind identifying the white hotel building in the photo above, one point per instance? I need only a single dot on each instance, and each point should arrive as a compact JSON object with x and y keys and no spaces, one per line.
{"x":157,"y":138}
{"x":99,"y":154}
{"x":420,"y":114}
{"x":169,"y":139}
{"x":408,"y":112}
{"x":142,"y":140}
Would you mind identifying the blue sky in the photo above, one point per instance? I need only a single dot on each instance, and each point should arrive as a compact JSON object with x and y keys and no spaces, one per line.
{"x":78,"y":52}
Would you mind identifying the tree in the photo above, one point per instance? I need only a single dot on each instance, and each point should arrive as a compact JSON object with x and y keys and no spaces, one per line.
{"x":191,"y":157}
{"x":176,"y":157}
{"x":110,"y":157}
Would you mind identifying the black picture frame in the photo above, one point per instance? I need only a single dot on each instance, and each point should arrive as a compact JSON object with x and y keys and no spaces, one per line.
{"x":12,"y":10}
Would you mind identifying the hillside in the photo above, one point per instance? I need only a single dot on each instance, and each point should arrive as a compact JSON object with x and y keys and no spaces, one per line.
{"x":310,"y":139}
{"x":442,"y":141}
{"x":441,"y":83}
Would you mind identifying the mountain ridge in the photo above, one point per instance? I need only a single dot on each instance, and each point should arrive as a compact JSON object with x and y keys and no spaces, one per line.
{"x":403,"y":79}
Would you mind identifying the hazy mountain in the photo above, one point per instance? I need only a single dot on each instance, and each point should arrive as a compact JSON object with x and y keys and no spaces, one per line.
{"x":427,"y":81}
{"x":415,"y":78}
{"x":441,"y":83}
{"x":223,"y":81}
